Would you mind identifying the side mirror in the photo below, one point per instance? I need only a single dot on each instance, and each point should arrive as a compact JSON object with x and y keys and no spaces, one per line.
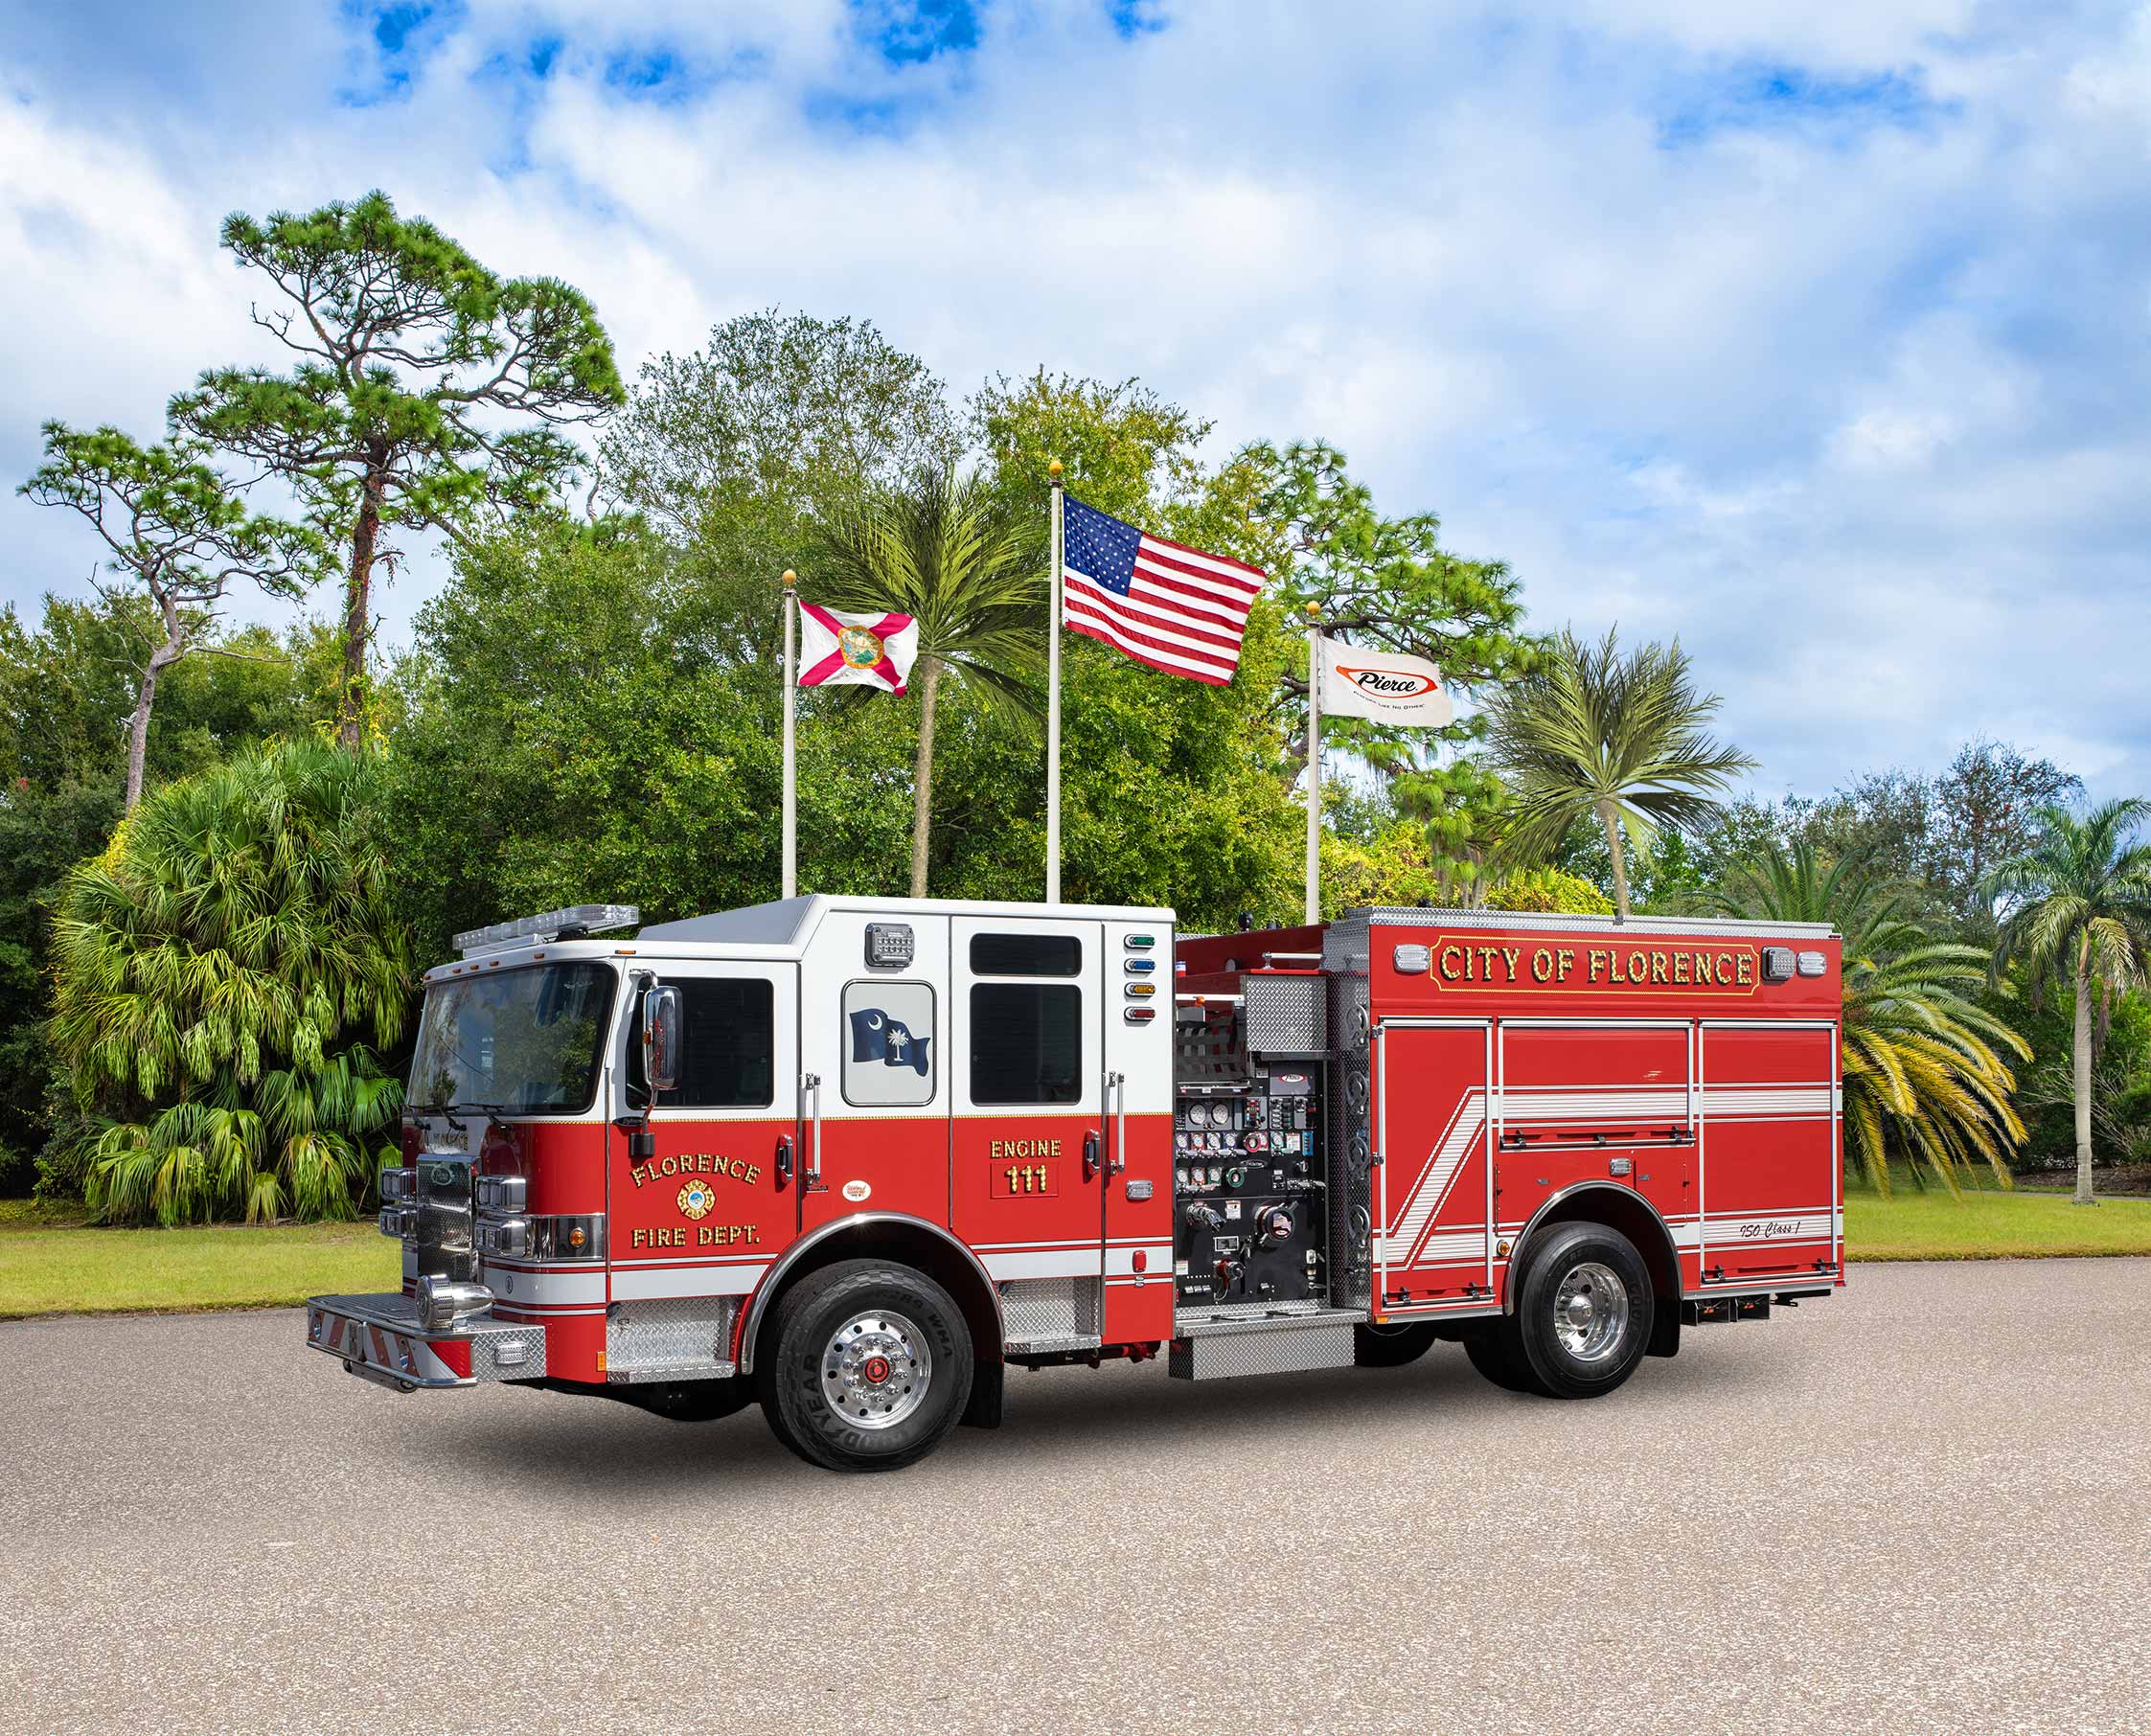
{"x":660,"y":1039}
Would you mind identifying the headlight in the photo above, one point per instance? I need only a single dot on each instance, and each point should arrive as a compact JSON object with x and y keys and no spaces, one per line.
{"x":503,"y":1196}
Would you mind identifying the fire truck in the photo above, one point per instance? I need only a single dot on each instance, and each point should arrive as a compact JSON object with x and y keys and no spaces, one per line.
{"x":852,"y":1160}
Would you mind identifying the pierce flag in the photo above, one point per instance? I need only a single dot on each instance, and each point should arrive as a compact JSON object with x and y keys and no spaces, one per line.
{"x":839,"y":648}
{"x":1387,"y":687}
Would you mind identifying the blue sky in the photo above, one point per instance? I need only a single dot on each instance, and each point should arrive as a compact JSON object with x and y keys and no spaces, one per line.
{"x":1817,"y":335}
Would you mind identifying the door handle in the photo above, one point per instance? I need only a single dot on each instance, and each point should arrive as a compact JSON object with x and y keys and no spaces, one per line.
{"x":783,"y":1158}
{"x":1117,"y":1084}
{"x":812,"y":1083}
{"x":1090,"y":1155}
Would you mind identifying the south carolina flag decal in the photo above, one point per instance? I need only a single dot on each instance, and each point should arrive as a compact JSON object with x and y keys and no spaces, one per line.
{"x":836,"y":649}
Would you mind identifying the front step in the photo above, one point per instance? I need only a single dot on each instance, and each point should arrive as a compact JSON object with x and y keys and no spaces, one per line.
{"x":1221,"y":1350}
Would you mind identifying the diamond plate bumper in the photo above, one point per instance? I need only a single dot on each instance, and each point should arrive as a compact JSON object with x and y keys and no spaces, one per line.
{"x":381,"y":1339}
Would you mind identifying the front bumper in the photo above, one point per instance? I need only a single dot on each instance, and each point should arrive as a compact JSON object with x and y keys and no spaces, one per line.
{"x":380,"y":1338}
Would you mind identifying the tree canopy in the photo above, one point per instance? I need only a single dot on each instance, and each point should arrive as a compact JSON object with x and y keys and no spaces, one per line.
{"x":426,"y":389}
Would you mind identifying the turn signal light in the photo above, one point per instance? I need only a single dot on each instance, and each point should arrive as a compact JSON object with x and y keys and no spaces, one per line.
{"x":1136,"y":991}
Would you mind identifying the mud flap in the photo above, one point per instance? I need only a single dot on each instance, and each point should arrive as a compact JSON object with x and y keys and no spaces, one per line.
{"x":1665,"y":1330}
{"x":984,"y":1411}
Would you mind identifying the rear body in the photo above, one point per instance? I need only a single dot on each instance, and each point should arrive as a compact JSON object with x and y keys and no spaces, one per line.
{"x":903,"y":1144}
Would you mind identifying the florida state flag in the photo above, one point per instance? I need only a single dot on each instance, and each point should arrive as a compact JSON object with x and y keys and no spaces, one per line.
{"x":837,"y":647}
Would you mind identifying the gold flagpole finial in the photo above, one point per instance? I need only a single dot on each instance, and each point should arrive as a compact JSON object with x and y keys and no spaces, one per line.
{"x":1053,"y":468}
{"x":791,"y":577}
{"x":1314,"y":612}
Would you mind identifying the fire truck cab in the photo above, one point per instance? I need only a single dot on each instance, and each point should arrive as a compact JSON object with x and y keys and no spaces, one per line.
{"x":852,"y":1158}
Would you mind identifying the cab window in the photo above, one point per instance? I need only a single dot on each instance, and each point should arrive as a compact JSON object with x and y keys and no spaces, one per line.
{"x":1027,"y":1042}
{"x":727,"y":1046}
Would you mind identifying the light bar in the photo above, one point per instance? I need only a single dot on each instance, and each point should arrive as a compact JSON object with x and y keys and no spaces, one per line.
{"x":552,"y":926}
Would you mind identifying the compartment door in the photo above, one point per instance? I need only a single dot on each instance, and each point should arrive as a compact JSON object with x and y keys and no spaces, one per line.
{"x":1599,"y":1101}
{"x":1770,"y":1204}
{"x":1433,"y":1193}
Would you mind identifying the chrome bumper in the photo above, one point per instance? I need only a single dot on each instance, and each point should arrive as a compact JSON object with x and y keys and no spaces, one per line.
{"x":381,"y":1339}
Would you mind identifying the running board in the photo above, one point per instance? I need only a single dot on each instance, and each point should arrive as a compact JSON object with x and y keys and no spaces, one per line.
{"x":1220,"y":1349}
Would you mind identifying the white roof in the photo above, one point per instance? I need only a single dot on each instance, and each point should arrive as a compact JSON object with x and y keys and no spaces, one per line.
{"x":790,"y":920}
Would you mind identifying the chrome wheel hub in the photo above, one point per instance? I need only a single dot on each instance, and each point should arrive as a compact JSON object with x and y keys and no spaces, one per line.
{"x":875,"y":1369}
{"x":1590,"y":1312}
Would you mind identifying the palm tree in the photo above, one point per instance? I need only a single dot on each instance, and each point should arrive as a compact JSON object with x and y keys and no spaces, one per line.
{"x":2079,"y":910}
{"x":1917,"y":1055}
{"x":1623,"y":737}
{"x":944,"y":551}
{"x":214,"y":973}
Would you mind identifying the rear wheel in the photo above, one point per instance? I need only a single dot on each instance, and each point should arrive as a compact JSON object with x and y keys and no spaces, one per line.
{"x":1391,"y":1346}
{"x":869,"y":1367}
{"x":1584,"y":1310}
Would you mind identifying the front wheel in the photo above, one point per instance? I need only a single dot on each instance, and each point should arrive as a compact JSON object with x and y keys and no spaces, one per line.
{"x":869,"y":1367}
{"x":1583,"y":1312}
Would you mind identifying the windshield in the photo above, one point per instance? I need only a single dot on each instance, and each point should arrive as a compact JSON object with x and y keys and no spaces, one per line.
{"x":527,"y":1041}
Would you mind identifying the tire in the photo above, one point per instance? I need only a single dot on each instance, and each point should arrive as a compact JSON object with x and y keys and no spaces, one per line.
{"x":1391,"y":1346}
{"x":1584,"y":1310}
{"x":868,"y":1367}
{"x":1498,"y":1353}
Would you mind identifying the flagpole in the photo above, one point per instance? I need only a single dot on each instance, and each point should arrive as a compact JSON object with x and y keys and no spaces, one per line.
{"x":790,"y":764}
{"x":1053,"y":705}
{"x":1314,"y":763}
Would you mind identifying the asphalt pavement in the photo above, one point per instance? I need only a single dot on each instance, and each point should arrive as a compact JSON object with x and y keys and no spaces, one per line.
{"x":1924,"y":1505}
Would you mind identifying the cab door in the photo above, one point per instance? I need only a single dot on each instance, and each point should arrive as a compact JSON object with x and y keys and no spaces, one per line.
{"x":1029,"y":1142}
{"x":714,"y":1203}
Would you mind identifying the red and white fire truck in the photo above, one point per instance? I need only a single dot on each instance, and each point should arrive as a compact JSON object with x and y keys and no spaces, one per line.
{"x":851,"y":1159}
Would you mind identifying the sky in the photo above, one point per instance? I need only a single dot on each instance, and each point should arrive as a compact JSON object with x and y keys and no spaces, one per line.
{"x":1818,"y":334}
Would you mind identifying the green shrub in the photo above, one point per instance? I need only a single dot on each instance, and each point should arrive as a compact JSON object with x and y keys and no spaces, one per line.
{"x":216,"y":974}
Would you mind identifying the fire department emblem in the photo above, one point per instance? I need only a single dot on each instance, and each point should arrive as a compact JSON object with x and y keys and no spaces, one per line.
{"x":696,"y":1198}
{"x":859,"y":647}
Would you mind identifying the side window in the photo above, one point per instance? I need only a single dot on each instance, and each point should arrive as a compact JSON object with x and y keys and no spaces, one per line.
{"x":1027,"y":1042}
{"x":888,"y":1043}
{"x":727,"y":1046}
{"x":1026,"y":955}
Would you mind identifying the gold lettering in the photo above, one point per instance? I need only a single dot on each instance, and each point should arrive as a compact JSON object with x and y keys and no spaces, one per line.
{"x":1486,"y":963}
{"x":1448,"y":962}
{"x":634,"y":1240}
{"x":1722,"y":969}
{"x":1510,"y":955}
{"x":1599,"y":960}
{"x":1637,"y":970}
{"x":1568,"y":957}
{"x":638,"y":1174}
{"x":1744,"y":969}
{"x":1542,"y":965}
{"x":1657,"y":968}
{"x":1680,"y":967}
{"x":753,"y":1174}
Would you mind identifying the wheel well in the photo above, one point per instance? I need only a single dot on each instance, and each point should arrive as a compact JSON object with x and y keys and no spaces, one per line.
{"x":903,"y":1243}
{"x":1616,"y":1208}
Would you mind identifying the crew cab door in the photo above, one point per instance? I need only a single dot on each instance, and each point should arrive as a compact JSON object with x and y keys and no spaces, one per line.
{"x":1029,"y":1137}
{"x":712,"y":1207}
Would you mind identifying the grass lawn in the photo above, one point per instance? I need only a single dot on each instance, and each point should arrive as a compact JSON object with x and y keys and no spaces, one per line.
{"x":1988,"y":1224}
{"x":52,"y":1264}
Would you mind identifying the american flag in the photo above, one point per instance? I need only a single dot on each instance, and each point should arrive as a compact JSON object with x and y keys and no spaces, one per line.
{"x":1164,"y":604}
